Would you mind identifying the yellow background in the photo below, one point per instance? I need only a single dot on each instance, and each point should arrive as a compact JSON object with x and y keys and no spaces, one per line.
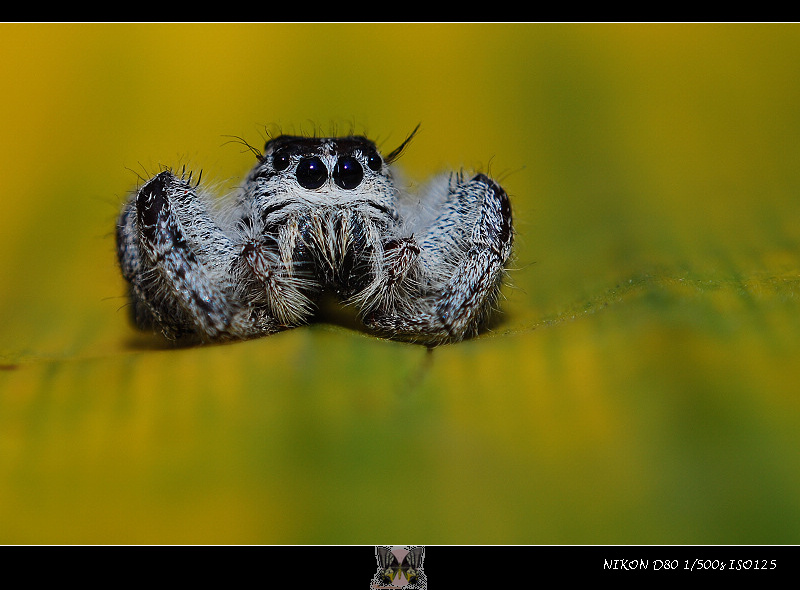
{"x":641,"y":386}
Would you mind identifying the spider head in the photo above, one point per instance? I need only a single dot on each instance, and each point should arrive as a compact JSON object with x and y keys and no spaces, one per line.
{"x":328,"y":166}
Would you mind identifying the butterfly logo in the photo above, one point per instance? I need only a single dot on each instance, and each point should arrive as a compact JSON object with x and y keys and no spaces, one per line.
{"x":399,"y":567}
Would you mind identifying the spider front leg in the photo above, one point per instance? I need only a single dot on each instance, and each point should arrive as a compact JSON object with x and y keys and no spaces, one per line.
{"x":273,"y":273}
{"x":174,"y":257}
{"x":458,"y":264}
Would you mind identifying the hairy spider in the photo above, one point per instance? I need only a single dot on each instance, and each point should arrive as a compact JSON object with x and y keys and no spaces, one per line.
{"x":315,"y":215}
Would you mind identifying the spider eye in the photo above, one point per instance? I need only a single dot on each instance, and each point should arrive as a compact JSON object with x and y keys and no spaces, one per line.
{"x":311,"y":173}
{"x":348,"y":172}
{"x":374,"y":162}
{"x":280,"y":161}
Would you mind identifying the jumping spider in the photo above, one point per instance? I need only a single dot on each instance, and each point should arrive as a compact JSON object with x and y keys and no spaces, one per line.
{"x":315,"y":215}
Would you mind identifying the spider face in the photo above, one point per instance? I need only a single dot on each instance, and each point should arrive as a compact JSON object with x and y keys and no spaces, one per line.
{"x":322,"y":168}
{"x":316,"y":215}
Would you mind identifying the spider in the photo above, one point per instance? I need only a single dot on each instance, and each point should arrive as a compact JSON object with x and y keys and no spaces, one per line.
{"x":315,"y":215}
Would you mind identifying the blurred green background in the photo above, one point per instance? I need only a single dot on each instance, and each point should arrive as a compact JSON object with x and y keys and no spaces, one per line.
{"x":641,"y":386}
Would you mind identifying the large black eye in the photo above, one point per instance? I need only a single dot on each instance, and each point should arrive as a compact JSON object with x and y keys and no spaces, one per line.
{"x":280,"y":160}
{"x":311,"y":173}
{"x":348,"y":172}
{"x":374,"y":162}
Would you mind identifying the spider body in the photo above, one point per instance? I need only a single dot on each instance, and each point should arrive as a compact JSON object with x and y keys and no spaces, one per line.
{"x":315,"y":215}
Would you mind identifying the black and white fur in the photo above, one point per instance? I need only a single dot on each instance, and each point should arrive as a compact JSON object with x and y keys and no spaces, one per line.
{"x":316,"y":215}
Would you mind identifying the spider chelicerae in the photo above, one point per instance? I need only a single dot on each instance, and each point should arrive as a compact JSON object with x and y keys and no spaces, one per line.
{"x":316,"y":215}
